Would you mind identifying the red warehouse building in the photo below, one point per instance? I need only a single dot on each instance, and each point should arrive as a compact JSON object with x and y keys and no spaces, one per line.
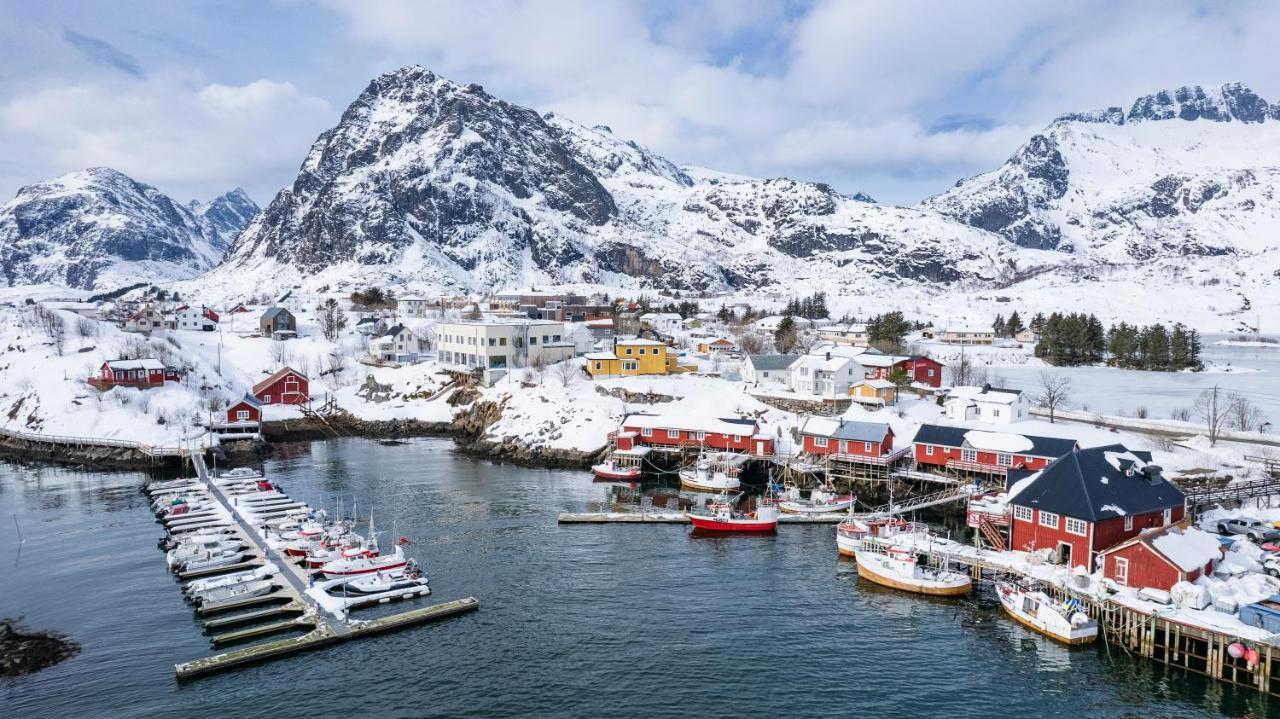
{"x":1090,"y":500}
{"x":1162,"y":557}
{"x":142,"y":373}
{"x":983,"y":452}
{"x":855,"y":440}
{"x":286,"y":386}
{"x":713,"y":433}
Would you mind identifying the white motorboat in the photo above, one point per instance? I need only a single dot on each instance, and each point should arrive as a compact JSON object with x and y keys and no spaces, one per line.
{"x":1063,"y":621}
{"x":820,"y":501}
{"x":379,"y":582}
{"x":186,"y":552}
{"x":197,"y":586}
{"x":212,"y":560}
{"x":899,"y":568}
{"x":710,"y":477}
{"x":238,"y":474}
{"x":224,"y":595}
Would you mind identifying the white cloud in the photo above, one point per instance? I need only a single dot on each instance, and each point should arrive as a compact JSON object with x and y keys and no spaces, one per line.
{"x":189,"y":138}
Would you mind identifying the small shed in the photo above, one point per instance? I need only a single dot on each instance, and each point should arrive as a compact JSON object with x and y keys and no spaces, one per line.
{"x":278,"y":322}
{"x":248,"y":409}
{"x":1160,"y":558}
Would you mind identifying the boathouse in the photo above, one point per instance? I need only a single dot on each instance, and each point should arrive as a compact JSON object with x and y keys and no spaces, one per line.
{"x":711,"y":433}
{"x":826,"y":436}
{"x":1090,"y":500}
{"x":248,"y":409}
{"x":1161,"y":557}
{"x":141,"y":373}
{"x":943,"y":448}
{"x":286,"y":386}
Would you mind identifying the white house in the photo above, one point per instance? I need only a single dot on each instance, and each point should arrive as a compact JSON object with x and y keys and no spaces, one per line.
{"x":992,"y":405}
{"x":664,"y":322}
{"x":770,"y":323}
{"x":147,"y":319}
{"x":492,"y":347}
{"x":850,"y":334}
{"x":371,"y":326}
{"x":413,"y":306}
{"x":965,"y":335}
{"x":824,"y":374}
{"x":398,"y":344}
{"x":189,"y":317}
{"x":768,"y":371}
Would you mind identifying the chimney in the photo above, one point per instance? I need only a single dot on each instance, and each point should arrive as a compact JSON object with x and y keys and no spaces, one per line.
{"x":828,"y":355}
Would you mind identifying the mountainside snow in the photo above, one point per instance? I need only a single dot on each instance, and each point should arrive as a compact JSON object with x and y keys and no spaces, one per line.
{"x":101,"y":228}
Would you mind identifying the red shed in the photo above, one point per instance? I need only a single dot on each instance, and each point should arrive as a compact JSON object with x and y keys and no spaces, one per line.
{"x":1089,"y":500}
{"x":1162,"y":557}
{"x":856,"y":440}
{"x":248,"y":409}
{"x":714,"y":433}
{"x":286,"y":386}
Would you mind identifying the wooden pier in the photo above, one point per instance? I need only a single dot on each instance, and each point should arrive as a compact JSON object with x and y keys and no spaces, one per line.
{"x":681,"y":518}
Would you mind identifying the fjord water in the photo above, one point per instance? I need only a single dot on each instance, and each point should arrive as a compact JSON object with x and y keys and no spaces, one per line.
{"x":575,"y":621}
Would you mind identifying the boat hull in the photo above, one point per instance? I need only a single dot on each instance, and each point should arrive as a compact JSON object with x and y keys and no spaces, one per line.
{"x":620,"y":473}
{"x":846,"y":546}
{"x":1071,"y":637}
{"x":712,"y":524}
{"x":806,"y":508}
{"x":866,"y":570}
{"x":690,"y":483}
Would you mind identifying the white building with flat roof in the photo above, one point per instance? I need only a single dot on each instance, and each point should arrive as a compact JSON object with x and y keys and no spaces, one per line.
{"x":493,"y":348}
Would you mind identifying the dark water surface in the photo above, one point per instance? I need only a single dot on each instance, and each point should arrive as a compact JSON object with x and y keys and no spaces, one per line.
{"x":575,"y":621}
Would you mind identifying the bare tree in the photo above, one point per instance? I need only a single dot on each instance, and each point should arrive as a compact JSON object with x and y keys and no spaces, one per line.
{"x":332,"y":319}
{"x":1213,"y":407}
{"x":568,"y":373}
{"x":280,"y":352}
{"x":539,"y":365}
{"x":1055,"y":393}
{"x":1242,"y":414}
{"x":966,"y":373}
{"x":751,"y":343}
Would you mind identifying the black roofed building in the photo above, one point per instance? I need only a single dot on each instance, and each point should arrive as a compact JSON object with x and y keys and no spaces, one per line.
{"x":983,"y":452}
{"x":1089,"y":500}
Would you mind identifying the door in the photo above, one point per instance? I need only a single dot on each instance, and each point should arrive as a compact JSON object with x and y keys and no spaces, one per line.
{"x":1122,"y":571}
{"x":1064,"y":553}
{"x":760,"y":448}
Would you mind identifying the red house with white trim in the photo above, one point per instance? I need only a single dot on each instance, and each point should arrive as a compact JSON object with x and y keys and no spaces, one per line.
{"x":248,"y":409}
{"x":856,"y":440}
{"x":1162,"y":557}
{"x":714,"y":433}
{"x":921,"y":370}
{"x":1090,"y":500}
{"x":286,"y":386}
{"x":941,"y":447}
{"x":141,"y":373}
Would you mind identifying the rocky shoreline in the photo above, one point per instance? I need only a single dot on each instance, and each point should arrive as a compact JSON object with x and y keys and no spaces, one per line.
{"x":26,"y":652}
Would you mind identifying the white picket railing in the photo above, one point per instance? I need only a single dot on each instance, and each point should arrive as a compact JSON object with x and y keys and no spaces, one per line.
{"x":147,"y":449}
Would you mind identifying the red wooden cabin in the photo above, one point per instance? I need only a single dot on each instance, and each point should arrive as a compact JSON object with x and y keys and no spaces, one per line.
{"x":143,"y":373}
{"x":286,"y":386}
{"x":712,"y":433}
{"x":1160,"y":558}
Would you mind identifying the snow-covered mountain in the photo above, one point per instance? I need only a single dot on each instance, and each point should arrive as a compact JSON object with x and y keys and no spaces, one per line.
{"x":432,"y":183}
{"x":1184,"y":173}
{"x":225,"y":216}
{"x":100,"y":228}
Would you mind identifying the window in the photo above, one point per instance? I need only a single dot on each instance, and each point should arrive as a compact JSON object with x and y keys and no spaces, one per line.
{"x":641,"y":351}
{"x":737,"y":438}
{"x":628,"y":350}
{"x":995,"y":412}
{"x":242,"y":415}
{"x":968,"y":455}
{"x":502,"y":341}
{"x":1168,"y":516}
{"x":646,"y":432}
{"x":928,"y":450}
{"x":1122,"y":571}
{"x":557,"y":338}
{"x":1004,"y":460}
{"x":533,"y":340}
{"x":1048,"y":519}
{"x":820,"y":441}
{"x":1077,"y":526}
{"x":702,"y":436}
{"x":930,"y":373}
{"x":1022,"y":514}
{"x":630,"y":365}
{"x":673,"y":434}
{"x":1128,"y":523}
{"x":266,"y":398}
{"x":597,"y":365}
{"x":493,"y":342}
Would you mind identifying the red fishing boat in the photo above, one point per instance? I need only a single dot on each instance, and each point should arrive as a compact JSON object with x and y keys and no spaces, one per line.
{"x":720,"y":516}
{"x":610,"y":469}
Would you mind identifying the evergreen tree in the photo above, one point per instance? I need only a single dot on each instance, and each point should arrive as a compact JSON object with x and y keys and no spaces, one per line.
{"x":1179,"y":348}
{"x":1014,"y":324}
{"x":1037,"y":322}
{"x":998,"y":326}
{"x":784,"y":338}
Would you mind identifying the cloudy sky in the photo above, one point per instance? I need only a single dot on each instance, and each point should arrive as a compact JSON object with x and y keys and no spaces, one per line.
{"x":895,"y":99}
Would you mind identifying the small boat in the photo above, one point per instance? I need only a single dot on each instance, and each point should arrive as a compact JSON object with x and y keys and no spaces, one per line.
{"x":720,"y":516}
{"x":852,"y":530}
{"x":1037,"y":611}
{"x":185,"y":552}
{"x":820,"y":501}
{"x":898,"y":567}
{"x":611,"y":469}
{"x":379,"y":582}
{"x":224,"y":595}
{"x":709,"y":477}
{"x":239,"y":473}
{"x":212,"y":560}
{"x":363,"y":565}
{"x":198,"y":586}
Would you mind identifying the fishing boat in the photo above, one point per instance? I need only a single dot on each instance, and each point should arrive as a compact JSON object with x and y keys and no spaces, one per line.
{"x":615,"y":469}
{"x":363,"y":565}
{"x":820,"y":501}
{"x":720,"y":516}
{"x":711,"y":474}
{"x":853,"y":529}
{"x":1063,"y":621}
{"x":898,"y":567}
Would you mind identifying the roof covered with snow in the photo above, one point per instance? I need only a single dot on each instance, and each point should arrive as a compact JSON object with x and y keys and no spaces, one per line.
{"x":1085,"y":485}
{"x":128,"y":364}
{"x":718,"y":425}
{"x":845,"y":429}
{"x":948,"y":436}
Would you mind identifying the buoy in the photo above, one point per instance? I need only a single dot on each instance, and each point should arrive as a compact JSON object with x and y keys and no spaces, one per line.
{"x":1236,"y":650}
{"x":1251,"y":656}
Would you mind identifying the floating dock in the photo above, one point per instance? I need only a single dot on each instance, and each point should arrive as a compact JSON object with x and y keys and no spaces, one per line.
{"x":681,"y":518}
{"x":323,"y":625}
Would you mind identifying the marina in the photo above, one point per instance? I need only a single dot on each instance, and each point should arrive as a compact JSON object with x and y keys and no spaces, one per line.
{"x":491,"y":530}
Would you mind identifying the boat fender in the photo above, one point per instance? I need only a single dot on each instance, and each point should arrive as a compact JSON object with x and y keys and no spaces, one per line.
{"x":1236,"y":650}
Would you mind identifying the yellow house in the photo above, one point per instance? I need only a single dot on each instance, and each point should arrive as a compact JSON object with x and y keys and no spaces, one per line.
{"x":877,"y":392}
{"x":632,"y":357}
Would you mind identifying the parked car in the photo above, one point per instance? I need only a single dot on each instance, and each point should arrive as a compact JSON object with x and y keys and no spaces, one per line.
{"x":1271,"y":565}
{"x":1251,"y":528}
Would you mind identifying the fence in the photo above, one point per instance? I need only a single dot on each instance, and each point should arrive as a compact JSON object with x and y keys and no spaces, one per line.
{"x":139,"y":447}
